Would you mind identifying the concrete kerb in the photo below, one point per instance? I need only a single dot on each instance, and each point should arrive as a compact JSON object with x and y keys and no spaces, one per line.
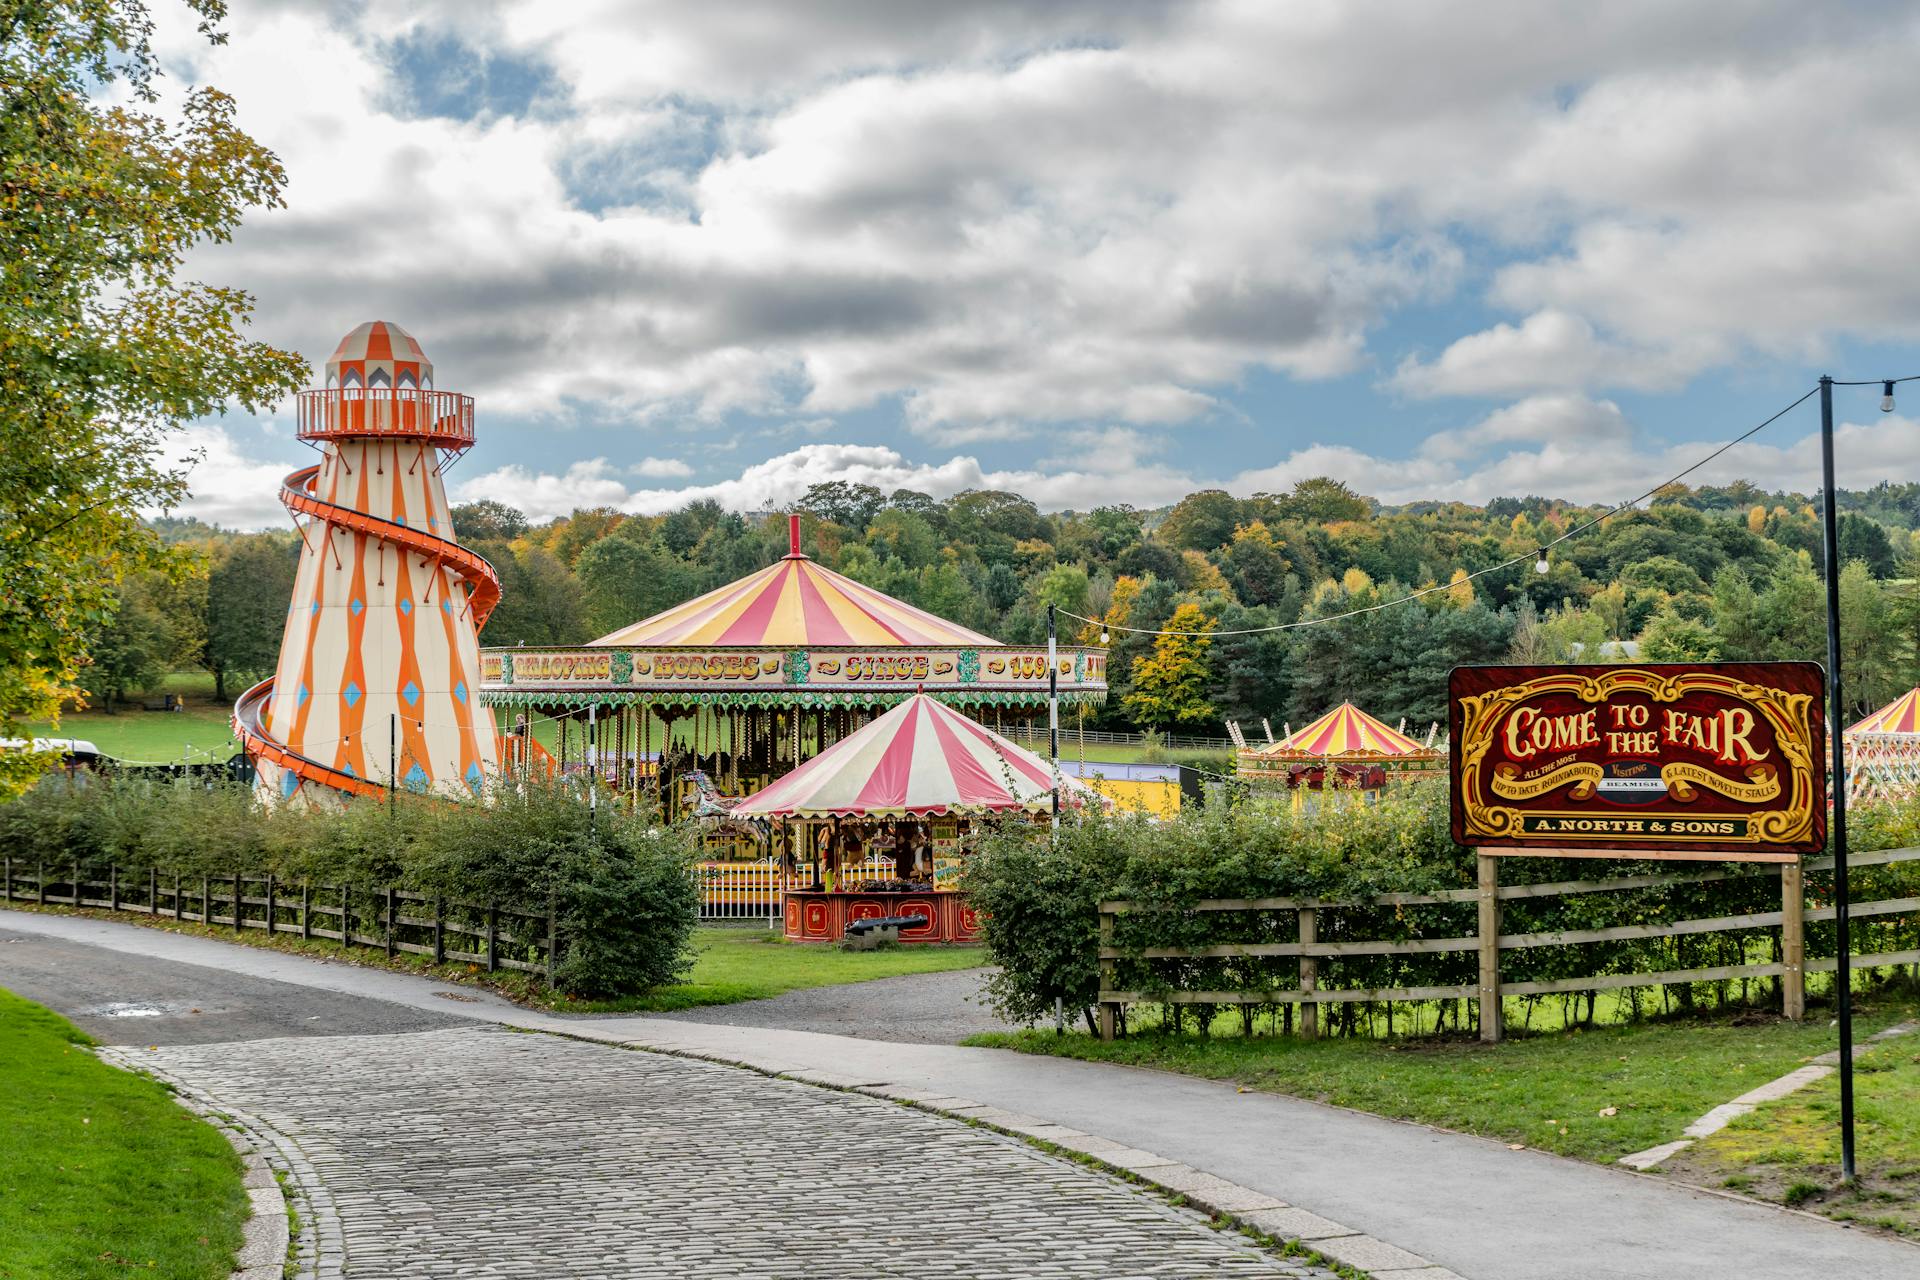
{"x":278,"y":1179}
{"x":1772,"y":1091}
{"x":1272,"y":1223}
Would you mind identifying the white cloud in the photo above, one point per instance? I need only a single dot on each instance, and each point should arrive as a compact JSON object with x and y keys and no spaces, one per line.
{"x":226,"y":487}
{"x":661,"y":468}
{"x":1013,"y":220}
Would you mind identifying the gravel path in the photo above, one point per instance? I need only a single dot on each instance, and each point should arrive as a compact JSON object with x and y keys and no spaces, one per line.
{"x":920,"y":1008}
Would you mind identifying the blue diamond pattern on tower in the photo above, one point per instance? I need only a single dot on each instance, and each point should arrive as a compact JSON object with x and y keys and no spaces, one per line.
{"x":351,"y":693}
{"x":460,"y":690}
{"x":300,"y":696}
{"x":417,"y":779}
{"x":411,"y":693}
{"x":474,"y":777}
{"x":356,"y":607}
{"x":406,"y":607}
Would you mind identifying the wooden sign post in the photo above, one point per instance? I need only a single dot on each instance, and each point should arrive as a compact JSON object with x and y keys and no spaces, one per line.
{"x":1689,"y":762}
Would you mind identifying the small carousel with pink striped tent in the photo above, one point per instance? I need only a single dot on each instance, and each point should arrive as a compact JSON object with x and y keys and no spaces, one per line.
{"x":1883,"y":751}
{"x":1344,"y":750}
{"x":905,"y":790}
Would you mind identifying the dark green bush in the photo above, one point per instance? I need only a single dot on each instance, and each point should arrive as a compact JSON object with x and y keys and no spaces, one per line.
{"x":619,"y":882}
{"x":1040,"y":894}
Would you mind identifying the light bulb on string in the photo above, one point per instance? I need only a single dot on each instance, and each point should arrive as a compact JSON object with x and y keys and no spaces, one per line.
{"x":1886,"y":397}
{"x":1541,"y":565}
{"x":1103,"y":635}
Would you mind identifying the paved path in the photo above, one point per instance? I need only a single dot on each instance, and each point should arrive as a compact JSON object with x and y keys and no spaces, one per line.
{"x":918,"y":1008}
{"x":1473,"y":1206}
{"x":472,"y":1150}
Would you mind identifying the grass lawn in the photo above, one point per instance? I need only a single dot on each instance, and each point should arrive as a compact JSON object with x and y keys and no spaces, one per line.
{"x":735,"y":964}
{"x":101,"y":1172}
{"x":1789,"y":1151}
{"x":1548,"y":1091}
{"x":156,"y":737}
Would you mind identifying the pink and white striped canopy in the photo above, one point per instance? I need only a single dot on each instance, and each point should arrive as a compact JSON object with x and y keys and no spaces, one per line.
{"x":920,"y":758}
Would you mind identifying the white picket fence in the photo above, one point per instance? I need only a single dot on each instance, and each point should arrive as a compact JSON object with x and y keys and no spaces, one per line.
{"x":752,"y":890}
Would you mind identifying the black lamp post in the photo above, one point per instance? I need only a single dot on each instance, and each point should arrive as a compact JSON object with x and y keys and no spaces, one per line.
{"x":1843,"y":972}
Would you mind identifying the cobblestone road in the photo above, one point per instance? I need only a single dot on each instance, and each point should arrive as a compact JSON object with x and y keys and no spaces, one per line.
{"x":484,"y":1152}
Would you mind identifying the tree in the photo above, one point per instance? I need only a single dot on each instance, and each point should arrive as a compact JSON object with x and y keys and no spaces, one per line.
{"x":1864,"y":540}
{"x":623,"y":581}
{"x":1672,"y":638}
{"x":1201,"y":521}
{"x":1324,"y":500}
{"x":105,"y":351}
{"x":842,"y":502}
{"x":248,"y":590}
{"x":1170,"y":685}
{"x":487,"y":519}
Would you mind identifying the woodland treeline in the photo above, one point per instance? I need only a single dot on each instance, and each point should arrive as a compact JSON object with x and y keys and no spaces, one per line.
{"x":1720,"y":572}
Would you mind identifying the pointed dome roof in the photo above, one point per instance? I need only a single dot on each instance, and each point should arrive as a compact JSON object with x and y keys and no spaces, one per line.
{"x":379,"y":353}
{"x":920,"y":758}
{"x":1346,"y":733}
{"x":795,"y":603}
{"x":1902,"y":715}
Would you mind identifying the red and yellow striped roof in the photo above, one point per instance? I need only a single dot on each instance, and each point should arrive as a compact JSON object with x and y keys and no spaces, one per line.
{"x":1346,"y":732}
{"x":796,"y":603}
{"x":1902,"y":715}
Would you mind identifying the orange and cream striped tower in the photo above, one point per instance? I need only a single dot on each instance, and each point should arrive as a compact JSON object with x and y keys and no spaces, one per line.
{"x":380,"y":657}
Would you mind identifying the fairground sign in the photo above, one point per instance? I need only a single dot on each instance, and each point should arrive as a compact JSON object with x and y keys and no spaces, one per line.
{"x":1706,"y":760}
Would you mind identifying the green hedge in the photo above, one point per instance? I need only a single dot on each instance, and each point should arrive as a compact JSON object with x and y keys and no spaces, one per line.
{"x":620,"y":882}
{"x":1040,"y":896}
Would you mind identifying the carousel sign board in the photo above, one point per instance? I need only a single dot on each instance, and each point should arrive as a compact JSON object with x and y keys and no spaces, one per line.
{"x":1701,"y":760}
{"x":816,"y":668}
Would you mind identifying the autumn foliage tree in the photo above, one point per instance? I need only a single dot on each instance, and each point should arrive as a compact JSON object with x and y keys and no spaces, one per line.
{"x":1170,"y":684}
{"x":103,"y":352}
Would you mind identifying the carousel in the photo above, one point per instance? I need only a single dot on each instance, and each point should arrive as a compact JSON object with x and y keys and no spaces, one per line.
{"x":1344,"y":750}
{"x":876,"y":827}
{"x":727,"y":693}
{"x":1883,"y":751}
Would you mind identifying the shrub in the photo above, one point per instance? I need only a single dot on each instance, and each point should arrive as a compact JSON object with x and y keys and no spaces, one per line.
{"x":1040,"y":894}
{"x":619,"y":881}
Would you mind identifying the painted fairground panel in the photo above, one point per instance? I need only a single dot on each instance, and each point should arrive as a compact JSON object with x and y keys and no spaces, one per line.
{"x":821,"y":669}
{"x":1717,"y":760}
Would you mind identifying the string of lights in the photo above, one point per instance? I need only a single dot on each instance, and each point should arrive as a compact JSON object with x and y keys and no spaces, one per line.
{"x":1541,"y":562}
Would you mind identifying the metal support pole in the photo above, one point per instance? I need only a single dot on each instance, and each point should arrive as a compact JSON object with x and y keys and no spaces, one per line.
{"x":1053,"y":714}
{"x":593,"y":763}
{"x":393,"y":758}
{"x":1837,"y":830}
{"x":1489,"y":898}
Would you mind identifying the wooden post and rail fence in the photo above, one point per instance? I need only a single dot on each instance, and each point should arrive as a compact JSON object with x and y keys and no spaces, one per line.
{"x":1488,"y":942}
{"x":382,"y":918}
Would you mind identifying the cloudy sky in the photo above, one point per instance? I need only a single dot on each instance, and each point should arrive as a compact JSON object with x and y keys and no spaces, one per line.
{"x":1092,"y":252}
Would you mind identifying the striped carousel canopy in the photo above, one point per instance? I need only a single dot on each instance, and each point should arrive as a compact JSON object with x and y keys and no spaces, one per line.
{"x":1902,"y":715}
{"x":1347,"y":733}
{"x":796,"y":603}
{"x":920,"y":758}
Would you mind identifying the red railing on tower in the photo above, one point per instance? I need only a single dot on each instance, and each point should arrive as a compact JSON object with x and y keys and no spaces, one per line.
{"x":440,"y":418}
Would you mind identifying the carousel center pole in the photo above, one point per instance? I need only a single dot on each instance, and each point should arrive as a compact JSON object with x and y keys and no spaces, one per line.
{"x":1053,"y":714}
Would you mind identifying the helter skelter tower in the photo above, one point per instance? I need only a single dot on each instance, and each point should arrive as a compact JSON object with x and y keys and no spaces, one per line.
{"x":380,"y":657}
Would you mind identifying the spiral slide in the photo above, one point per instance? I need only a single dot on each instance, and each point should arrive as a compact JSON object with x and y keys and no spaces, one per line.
{"x":297,"y":494}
